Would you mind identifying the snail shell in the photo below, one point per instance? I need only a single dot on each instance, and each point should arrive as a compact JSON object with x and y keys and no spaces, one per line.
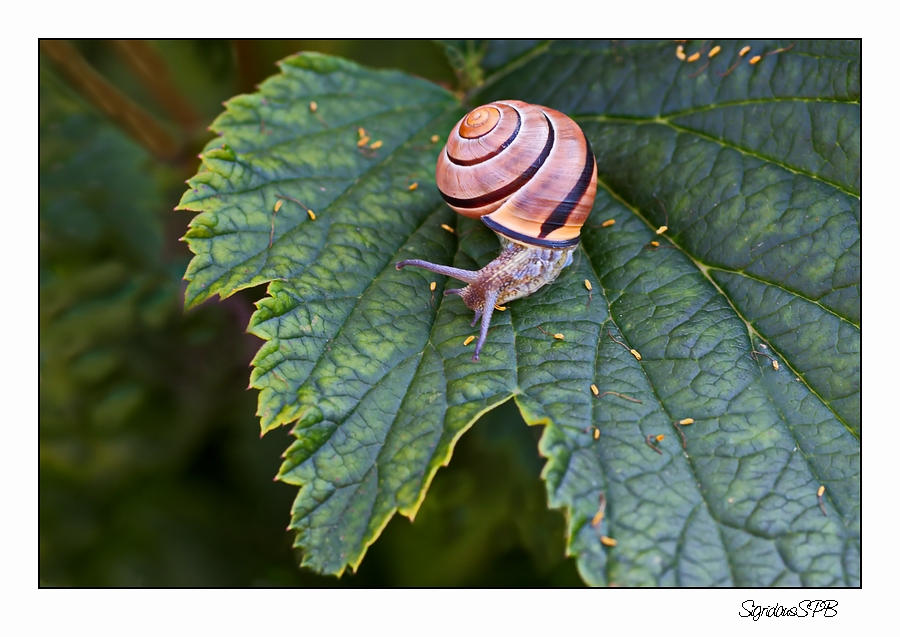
{"x":527,"y":171}
{"x":529,"y":174}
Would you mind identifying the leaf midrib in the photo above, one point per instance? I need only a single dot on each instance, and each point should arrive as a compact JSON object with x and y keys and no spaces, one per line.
{"x":664,"y":121}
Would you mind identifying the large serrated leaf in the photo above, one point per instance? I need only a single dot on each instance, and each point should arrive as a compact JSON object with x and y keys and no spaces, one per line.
{"x":755,"y":170}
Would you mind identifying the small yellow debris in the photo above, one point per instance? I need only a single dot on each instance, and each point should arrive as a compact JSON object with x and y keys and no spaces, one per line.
{"x":655,"y":244}
{"x":598,"y":516}
{"x":502,"y":308}
{"x":744,"y":51}
{"x":433,"y":286}
{"x":714,"y":51}
{"x":469,"y":340}
{"x":662,"y":229}
{"x":607,"y":223}
{"x":588,"y":285}
{"x":755,"y":59}
{"x":636,"y":354}
{"x":686,"y":421}
{"x":607,"y":541}
{"x":679,"y":52}
{"x":660,"y":437}
{"x":313,"y":107}
{"x":278,"y":204}
{"x":311,"y":214}
{"x":448,"y":228}
{"x":694,"y":57}
{"x":821,"y":491}
{"x":558,"y":337}
{"x":434,"y":139}
{"x":775,"y":365}
{"x":363,"y":141}
{"x":596,"y":434}
{"x":376,"y":145}
{"x":595,"y":390}
{"x":414,"y":185}
{"x":361,"y":132}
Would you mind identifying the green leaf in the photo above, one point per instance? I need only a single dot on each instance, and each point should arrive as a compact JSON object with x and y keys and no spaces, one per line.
{"x":754,"y":168}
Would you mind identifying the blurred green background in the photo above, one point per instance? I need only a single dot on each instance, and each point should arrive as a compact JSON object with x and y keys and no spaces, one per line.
{"x":152,"y":472}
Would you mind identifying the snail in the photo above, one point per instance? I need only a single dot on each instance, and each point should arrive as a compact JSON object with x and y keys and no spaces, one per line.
{"x":529,"y":174}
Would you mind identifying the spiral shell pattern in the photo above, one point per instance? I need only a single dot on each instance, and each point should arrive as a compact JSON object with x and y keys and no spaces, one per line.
{"x":527,"y":171}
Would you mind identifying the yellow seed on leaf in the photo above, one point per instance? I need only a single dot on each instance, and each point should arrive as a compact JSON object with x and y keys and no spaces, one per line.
{"x":821,"y":491}
{"x":469,"y":340}
{"x":414,"y":185}
{"x":278,"y":205}
{"x":775,"y":365}
{"x":607,"y":223}
{"x":655,"y":244}
{"x":755,"y":59}
{"x":636,"y":354}
{"x":607,"y":541}
{"x":313,"y":107}
{"x":596,"y":434}
{"x":595,"y":390}
{"x":679,"y":52}
{"x":588,"y":285}
{"x":558,"y":336}
{"x":376,"y":145}
{"x":362,"y":132}
{"x":311,"y":214}
{"x":686,"y":421}
{"x":715,"y":51}
{"x":744,"y":51}
{"x":433,"y":286}
{"x":363,"y":141}
{"x":694,"y":57}
{"x":662,"y":229}
{"x":448,"y":228}
{"x":660,"y":437}
{"x":434,"y":139}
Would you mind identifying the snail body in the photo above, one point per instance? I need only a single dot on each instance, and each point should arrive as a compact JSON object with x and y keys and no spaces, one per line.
{"x":529,"y":174}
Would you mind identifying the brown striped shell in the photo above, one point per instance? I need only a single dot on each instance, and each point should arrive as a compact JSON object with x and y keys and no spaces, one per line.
{"x":527,"y":171}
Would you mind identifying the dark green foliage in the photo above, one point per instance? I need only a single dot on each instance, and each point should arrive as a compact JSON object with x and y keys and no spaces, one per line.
{"x":152,"y":470}
{"x":754,"y":171}
{"x":148,"y":474}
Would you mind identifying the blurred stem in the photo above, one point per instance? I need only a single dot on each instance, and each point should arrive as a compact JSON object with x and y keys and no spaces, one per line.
{"x":139,"y":124}
{"x":466,"y":64}
{"x":246,"y":53}
{"x":151,"y":70}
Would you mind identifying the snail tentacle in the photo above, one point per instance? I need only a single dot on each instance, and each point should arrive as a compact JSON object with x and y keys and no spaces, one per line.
{"x":517,"y":271}
{"x":490,"y":298}
{"x":528,"y":172}
{"x":466,"y":276}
